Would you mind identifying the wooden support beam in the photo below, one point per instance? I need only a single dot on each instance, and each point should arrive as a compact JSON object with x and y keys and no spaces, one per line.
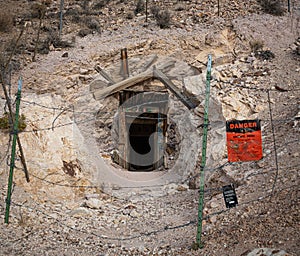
{"x":124,"y":63}
{"x":101,"y":94}
{"x":104,"y":74}
{"x":148,"y":74}
{"x":173,"y":88}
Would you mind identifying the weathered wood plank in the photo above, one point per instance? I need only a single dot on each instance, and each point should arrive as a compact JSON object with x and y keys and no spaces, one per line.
{"x":100,"y":94}
{"x":104,"y":74}
{"x":173,"y":88}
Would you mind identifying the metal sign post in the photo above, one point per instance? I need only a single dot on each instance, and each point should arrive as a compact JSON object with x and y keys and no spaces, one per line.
{"x":13,"y":152}
{"x":203,"y":158}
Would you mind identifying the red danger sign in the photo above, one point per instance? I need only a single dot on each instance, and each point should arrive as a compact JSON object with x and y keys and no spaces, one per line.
{"x":244,"y":141}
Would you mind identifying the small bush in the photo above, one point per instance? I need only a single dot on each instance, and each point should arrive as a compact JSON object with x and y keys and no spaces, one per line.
{"x":44,"y":47}
{"x":101,"y":4}
{"x":154,"y":10}
{"x":256,"y":45}
{"x":265,"y":55}
{"x":179,"y":8}
{"x":72,"y":12}
{"x":14,"y":64}
{"x":84,"y":32}
{"x":163,"y":19}
{"x":273,"y":7}
{"x":53,"y":38}
{"x":85,"y":5}
{"x":93,"y":24}
{"x":47,"y":2}
{"x":130,"y":15}
{"x":6,"y":21}
{"x":38,"y":10}
{"x":140,"y":7}
{"x":7,"y":125}
{"x":75,"y":17}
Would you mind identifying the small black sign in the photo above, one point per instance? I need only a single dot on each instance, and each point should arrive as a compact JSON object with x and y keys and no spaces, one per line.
{"x":230,"y":196}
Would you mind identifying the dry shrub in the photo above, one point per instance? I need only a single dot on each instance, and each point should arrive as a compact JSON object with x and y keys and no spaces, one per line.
{"x":47,"y":2}
{"x":6,"y":123}
{"x":93,"y":24}
{"x":179,"y":8}
{"x":84,"y":32}
{"x":273,"y":7}
{"x":256,"y":45}
{"x":140,"y":7}
{"x":163,"y":19}
{"x":38,"y":10}
{"x":154,"y":10}
{"x":101,"y":4}
{"x":54,"y":39}
{"x":265,"y":55}
{"x":6,"y":21}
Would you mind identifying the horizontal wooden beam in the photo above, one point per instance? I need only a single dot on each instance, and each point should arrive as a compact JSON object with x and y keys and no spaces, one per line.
{"x":102,"y":93}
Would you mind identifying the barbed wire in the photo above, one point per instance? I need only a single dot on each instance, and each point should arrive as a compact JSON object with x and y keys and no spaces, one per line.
{"x":276,"y":88}
{"x":111,"y":118}
{"x":143,"y":234}
{"x":72,"y":110}
{"x":167,"y":227}
{"x":83,"y":121}
{"x":99,"y":187}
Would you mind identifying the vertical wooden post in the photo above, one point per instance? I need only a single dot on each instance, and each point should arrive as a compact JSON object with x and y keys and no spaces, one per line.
{"x":41,"y":17}
{"x":124,"y":63}
{"x":123,"y":139}
{"x":10,"y":112}
{"x":160,"y":142}
{"x":146,"y":11}
{"x":61,"y":17}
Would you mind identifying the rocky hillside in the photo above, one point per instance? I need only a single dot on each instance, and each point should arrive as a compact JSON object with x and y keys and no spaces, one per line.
{"x":78,"y":201}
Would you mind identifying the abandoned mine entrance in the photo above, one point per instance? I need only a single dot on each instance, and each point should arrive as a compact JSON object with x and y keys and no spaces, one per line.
{"x":146,"y":141}
{"x":142,"y":130}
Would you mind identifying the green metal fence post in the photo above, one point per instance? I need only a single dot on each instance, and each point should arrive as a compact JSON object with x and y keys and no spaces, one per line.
{"x":13,"y":151}
{"x":203,"y":157}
